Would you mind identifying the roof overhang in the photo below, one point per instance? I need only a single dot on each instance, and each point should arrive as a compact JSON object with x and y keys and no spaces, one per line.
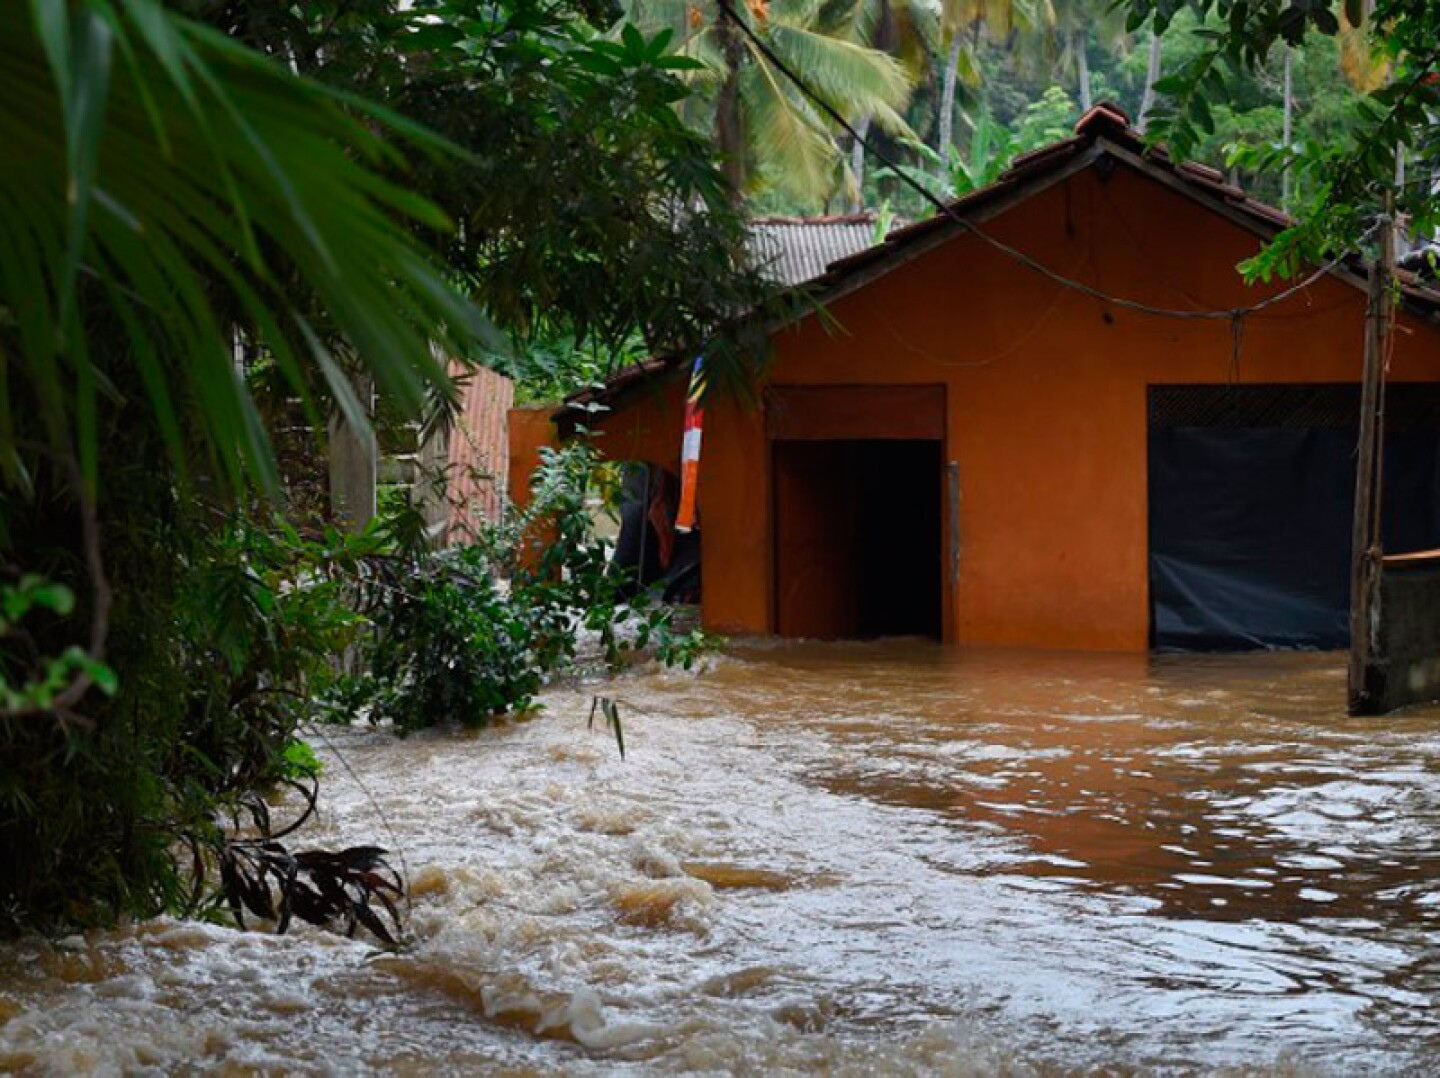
{"x":1102,"y":134}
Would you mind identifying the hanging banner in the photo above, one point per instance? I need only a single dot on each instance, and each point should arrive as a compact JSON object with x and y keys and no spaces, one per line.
{"x":690,"y":447}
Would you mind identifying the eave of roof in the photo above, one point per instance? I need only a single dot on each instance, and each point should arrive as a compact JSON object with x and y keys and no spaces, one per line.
{"x":1104,"y":131}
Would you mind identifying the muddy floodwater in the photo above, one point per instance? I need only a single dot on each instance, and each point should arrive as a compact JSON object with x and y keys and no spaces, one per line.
{"x":842,"y":859}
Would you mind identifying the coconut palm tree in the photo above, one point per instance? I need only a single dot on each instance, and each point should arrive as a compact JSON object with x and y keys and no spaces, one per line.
{"x":962,"y":22}
{"x":1077,"y":23}
{"x":769,"y":133}
{"x":905,"y":29}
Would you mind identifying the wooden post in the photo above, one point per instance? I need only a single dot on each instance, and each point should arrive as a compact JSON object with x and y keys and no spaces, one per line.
{"x":354,"y":463}
{"x":1365,"y":547}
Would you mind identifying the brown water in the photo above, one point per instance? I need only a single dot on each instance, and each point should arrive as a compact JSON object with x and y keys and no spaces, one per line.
{"x":849,"y":859}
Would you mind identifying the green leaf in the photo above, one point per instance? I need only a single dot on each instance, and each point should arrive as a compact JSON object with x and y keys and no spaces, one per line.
{"x":170,"y":217}
{"x":51,"y":596}
{"x":634,"y":42}
{"x":104,"y":676}
{"x":85,"y":85}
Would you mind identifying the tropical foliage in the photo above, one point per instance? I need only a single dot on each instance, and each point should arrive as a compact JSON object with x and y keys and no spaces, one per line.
{"x":587,"y":213}
{"x":469,"y":633}
{"x":172,"y":201}
{"x":767,"y":131}
{"x":251,"y":198}
{"x":1389,"y":50}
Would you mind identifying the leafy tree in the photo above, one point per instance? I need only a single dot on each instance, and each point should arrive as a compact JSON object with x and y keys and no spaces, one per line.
{"x":1062,"y":47}
{"x":1348,"y":176}
{"x":907,"y":30}
{"x":167,"y":193}
{"x":1250,"y":128}
{"x":964,"y":25}
{"x":136,"y":241}
{"x":162,"y":189}
{"x":988,"y":151}
{"x":588,"y":213}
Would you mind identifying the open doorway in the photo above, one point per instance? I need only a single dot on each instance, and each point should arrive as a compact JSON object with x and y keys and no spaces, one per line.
{"x":858,"y":548}
{"x":647,"y":547}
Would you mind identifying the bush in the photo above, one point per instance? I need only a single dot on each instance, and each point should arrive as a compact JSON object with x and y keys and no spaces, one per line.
{"x":223,"y":637}
{"x":228,"y":635}
{"x":470,"y":633}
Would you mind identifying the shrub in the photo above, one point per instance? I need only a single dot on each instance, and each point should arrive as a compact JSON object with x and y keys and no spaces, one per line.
{"x":470,"y":633}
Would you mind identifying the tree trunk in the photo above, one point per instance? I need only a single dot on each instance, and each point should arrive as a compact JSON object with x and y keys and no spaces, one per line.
{"x":353,"y":464}
{"x":946,"y":135}
{"x":1287,"y":130}
{"x":857,"y":163}
{"x":1152,"y":76}
{"x":729,"y":129}
{"x":1078,"y":42}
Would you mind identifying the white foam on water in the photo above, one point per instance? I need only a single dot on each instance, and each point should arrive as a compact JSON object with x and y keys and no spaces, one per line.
{"x":867,"y":907}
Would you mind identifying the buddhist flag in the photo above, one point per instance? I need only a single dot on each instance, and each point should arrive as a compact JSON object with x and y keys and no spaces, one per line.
{"x":690,"y":447}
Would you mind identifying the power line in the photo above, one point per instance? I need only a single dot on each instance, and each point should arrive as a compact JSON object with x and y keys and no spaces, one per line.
{"x":1232,"y":314}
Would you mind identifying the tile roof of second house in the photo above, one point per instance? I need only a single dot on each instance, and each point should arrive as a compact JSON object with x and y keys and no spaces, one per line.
{"x":792,"y":250}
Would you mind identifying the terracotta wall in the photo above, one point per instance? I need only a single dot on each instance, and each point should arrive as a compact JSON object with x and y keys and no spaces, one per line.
{"x":531,"y":430}
{"x":1046,"y":393}
{"x":478,"y":450}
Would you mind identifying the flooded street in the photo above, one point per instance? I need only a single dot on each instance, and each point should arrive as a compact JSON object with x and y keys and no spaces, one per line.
{"x":843,"y":859}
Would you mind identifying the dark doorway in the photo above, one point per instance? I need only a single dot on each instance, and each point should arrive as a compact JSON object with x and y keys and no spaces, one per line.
{"x":857,"y":538}
{"x":1251,"y":489}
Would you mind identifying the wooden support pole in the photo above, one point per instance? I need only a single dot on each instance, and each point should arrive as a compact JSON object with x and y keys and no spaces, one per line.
{"x":354,"y":464}
{"x":1365,"y":548}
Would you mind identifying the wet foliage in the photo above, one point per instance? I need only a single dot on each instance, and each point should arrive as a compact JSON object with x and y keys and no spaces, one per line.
{"x":465,"y":634}
{"x":186,"y":605}
{"x":343,"y":889}
{"x":609,"y":712}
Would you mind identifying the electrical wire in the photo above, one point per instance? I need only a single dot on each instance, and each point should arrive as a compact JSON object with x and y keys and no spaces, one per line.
{"x":1232,"y":314}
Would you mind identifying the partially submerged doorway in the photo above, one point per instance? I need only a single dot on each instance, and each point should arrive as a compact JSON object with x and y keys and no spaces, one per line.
{"x":857,"y":480}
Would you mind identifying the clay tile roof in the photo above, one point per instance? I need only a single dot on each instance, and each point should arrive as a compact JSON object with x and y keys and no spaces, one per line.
{"x":1203,"y":172}
{"x":1035,"y":160}
{"x":1106,"y":118}
{"x":1212,"y":178}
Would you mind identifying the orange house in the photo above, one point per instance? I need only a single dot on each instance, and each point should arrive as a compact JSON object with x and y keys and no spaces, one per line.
{"x":966,"y":446}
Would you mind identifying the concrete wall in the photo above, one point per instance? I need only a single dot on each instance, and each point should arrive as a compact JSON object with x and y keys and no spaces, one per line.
{"x":1046,"y":391}
{"x":1405,"y":666}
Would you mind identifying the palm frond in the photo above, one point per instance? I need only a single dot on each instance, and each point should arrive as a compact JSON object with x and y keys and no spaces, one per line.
{"x":854,"y":79}
{"x":1362,"y":62}
{"x":800,"y":155}
{"x":998,"y":17}
{"x":893,"y":123}
{"x":251,"y":199}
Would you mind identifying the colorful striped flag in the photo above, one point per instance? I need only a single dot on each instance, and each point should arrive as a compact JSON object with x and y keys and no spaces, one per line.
{"x":690,"y":447}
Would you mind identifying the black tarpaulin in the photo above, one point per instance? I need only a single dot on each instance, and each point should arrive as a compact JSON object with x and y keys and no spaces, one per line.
{"x":1251,"y":491}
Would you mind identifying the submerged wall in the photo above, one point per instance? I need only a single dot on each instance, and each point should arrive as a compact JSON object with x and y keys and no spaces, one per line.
{"x":1404,"y":666}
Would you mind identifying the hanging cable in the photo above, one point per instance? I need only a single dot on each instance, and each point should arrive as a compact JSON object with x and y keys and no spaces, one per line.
{"x":1232,"y":314}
